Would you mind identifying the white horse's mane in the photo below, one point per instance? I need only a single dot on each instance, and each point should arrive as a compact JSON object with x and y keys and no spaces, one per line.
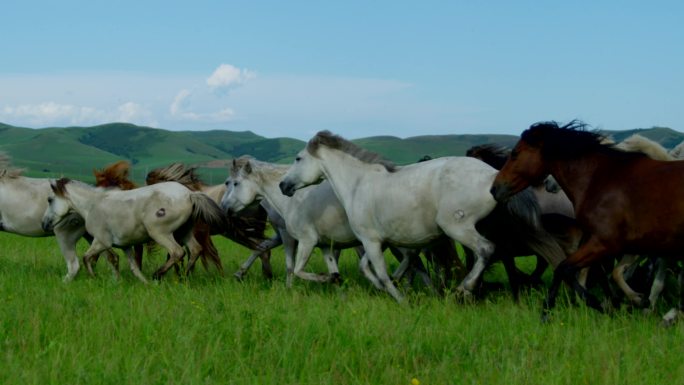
{"x":6,"y":168}
{"x":678,"y":151}
{"x":639,"y":143}
{"x":336,"y":142}
{"x":264,"y":169}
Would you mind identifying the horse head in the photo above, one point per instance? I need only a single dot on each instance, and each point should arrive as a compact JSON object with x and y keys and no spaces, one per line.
{"x":58,"y":205}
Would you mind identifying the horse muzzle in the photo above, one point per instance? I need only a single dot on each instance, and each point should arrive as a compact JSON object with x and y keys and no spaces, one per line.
{"x":47,"y":226}
{"x":287,"y":188}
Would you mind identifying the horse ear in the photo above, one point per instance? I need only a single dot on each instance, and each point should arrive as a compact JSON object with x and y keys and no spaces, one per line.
{"x":248,"y":167}
{"x":53,"y":187}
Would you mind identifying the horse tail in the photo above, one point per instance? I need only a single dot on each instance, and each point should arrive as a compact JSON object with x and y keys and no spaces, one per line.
{"x":237,"y":229}
{"x":525,"y":214}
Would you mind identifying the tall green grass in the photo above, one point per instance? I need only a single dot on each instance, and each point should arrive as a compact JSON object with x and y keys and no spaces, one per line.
{"x":208,"y":329}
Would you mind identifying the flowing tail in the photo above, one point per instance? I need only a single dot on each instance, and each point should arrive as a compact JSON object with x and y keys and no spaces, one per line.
{"x":245,"y":232}
{"x":525,"y":216}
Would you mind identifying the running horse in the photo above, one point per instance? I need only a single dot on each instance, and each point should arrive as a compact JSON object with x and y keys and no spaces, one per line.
{"x":625,"y":202}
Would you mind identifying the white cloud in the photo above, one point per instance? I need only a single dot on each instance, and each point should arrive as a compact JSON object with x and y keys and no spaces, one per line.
{"x":226,"y":76}
{"x":52,"y":113}
{"x":180,"y":109}
{"x":135,"y":113}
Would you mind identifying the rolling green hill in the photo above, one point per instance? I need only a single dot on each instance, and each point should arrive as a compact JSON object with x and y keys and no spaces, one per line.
{"x":75,"y":151}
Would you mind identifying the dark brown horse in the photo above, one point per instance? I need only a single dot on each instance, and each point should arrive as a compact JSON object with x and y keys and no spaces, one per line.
{"x":246,"y":229}
{"x":626,"y":203}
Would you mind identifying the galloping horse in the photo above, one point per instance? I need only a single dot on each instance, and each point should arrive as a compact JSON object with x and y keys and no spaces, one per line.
{"x":626,"y":203}
{"x":408,"y":206}
{"x":247,"y":229}
{"x":163,"y":213}
{"x":23,"y":201}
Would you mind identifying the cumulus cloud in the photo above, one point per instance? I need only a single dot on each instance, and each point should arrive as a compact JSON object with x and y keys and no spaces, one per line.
{"x":226,"y":76}
{"x":135,"y":113}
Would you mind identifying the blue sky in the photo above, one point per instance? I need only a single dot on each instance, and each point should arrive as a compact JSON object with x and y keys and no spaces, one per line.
{"x":358,"y":68}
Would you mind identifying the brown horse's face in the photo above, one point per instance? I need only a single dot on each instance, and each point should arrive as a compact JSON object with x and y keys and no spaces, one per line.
{"x":524,"y":167}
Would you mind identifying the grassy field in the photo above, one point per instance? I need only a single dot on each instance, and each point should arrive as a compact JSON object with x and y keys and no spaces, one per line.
{"x":213,"y":330}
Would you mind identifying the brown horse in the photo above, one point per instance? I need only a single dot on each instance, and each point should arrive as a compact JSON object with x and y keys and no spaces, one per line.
{"x":246,"y":229}
{"x":626,"y":203}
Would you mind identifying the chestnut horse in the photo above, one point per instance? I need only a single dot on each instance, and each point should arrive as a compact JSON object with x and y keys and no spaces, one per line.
{"x":625,"y":202}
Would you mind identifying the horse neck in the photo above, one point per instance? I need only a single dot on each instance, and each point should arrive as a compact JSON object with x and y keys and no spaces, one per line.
{"x":575,"y":176}
{"x":269,"y":189}
{"x":344,"y":171}
{"x":83,"y":197}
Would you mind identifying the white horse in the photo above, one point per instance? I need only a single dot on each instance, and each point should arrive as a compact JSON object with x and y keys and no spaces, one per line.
{"x":410,"y":206}
{"x":313,"y":217}
{"x":125,"y":218}
{"x":23,"y":201}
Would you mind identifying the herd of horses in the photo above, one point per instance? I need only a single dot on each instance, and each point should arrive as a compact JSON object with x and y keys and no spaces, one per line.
{"x":589,"y":208}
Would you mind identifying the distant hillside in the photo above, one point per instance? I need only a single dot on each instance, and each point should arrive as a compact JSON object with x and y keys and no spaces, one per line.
{"x":75,"y":151}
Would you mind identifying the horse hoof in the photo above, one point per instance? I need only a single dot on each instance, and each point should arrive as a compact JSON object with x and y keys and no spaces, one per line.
{"x":545,"y":317}
{"x":645,"y":303}
{"x":335,"y":278}
{"x":239,"y":276}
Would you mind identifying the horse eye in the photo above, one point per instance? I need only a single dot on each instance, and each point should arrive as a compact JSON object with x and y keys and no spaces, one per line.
{"x":50,"y":200}
{"x":297,"y":159}
{"x":236,"y":183}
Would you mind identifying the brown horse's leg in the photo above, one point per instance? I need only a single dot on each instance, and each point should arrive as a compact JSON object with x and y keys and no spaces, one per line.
{"x":266,"y":269}
{"x":566,"y":271}
{"x":138,"y":255}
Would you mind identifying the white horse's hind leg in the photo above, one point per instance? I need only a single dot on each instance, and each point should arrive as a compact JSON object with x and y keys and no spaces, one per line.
{"x":290,"y":245}
{"x":364,"y":266}
{"x":481,"y":247}
{"x":658,"y":284}
{"x":331,"y":257}
{"x":135,"y":269}
{"x":175,"y":251}
{"x":264,"y":247}
{"x":95,"y":248}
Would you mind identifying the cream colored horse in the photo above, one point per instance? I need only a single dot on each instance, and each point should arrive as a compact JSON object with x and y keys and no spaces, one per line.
{"x":163,"y":212}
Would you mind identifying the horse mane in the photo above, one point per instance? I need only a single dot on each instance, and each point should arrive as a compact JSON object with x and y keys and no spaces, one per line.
{"x":6,"y":168}
{"x":264,"y":168}
{"x":336,"y":142}
{"x":639,"y":143}
{"x":59,"y":186}
{"x":570,"y":140}
{"x":115,"y":175}
{"x":678,"y":151}
{"x":176,"y":172}
{"x":492,"y":154}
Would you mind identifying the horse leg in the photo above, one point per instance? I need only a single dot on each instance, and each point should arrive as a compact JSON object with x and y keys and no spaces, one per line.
{"x":377,"y":259}
{"x":266,"y":269}
{"x":95,"y":248}
{"x":536,"y":276}
{"x":138,"y":254}
{"x":619,"y":277}
{"x":671,"y":316}
{"x":133,"y":264}
{"x":264,"y":247}
{"x":113,"y":259}
{"x":67,"y":237}
{"x":304,"y":250}
{"x":332,"y":257}
{"x":290,"y":246}
{"x":513,"y":275}
{"x":175,"y":251}
{"x":590,"y":251}
{"x":483,"y":248}
{"x":657,"y":286}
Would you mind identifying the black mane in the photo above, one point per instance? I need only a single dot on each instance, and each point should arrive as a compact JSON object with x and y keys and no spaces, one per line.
{"x":569,"y":141}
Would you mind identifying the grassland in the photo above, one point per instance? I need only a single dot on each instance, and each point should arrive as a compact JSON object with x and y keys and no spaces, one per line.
{"x":213,"y":330}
